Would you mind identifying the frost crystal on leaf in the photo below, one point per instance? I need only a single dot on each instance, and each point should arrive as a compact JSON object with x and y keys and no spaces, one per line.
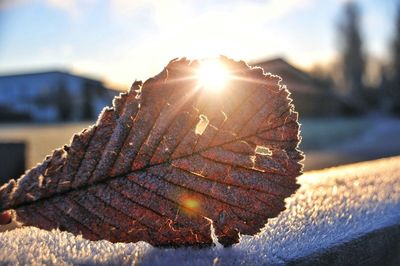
{"x":169,"y":162}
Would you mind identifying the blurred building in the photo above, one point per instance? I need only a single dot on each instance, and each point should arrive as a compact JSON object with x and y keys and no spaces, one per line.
{"x":51,"y":96}
{"x":312,"y":97}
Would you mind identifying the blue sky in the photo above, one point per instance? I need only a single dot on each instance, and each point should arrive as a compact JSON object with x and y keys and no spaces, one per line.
{"x":123,"y":40}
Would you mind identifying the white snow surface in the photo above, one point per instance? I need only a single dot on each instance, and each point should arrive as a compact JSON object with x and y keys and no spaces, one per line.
{"x":332,"y":206}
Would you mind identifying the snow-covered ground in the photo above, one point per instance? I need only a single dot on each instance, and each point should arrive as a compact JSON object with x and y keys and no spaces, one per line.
{"x":331,"y":207}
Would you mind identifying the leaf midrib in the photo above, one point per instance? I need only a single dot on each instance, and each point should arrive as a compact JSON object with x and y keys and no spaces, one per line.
{"x":105,"y":180}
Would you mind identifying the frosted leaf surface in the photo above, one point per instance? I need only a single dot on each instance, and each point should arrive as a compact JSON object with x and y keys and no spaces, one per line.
{"x":168,"y":161}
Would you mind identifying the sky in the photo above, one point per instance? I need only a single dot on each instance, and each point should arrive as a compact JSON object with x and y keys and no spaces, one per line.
{"x":120,"y":41}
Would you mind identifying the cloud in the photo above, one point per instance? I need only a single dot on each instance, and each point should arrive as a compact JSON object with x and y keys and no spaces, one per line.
{"x":239,"y":30}
{"x":173,"y":11}
{"x":75,"y":8}
{"x":70,"y":6}
{"x":128,"y":6}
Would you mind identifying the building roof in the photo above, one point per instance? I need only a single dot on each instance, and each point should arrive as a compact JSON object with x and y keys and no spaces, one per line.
{"x":278,"y":65}
{"x":296,"y":79}
{"x":47,"y":72}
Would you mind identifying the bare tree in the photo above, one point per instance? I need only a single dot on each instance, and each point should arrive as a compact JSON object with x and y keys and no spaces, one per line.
{"x":395,"y":87}
{"x":353,"y":59}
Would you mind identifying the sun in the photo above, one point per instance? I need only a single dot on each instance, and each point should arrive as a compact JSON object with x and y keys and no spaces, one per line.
{"x":212,"y":75}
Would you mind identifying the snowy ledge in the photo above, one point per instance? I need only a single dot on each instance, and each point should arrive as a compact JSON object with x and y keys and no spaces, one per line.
{"x":343,"y":215}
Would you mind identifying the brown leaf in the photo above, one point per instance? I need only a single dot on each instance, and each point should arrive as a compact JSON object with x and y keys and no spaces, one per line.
{"x":169,"y":160}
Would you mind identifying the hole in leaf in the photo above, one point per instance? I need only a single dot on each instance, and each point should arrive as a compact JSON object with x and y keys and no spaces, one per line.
{"x":202,"y":124}
{"x":40,"y":180}
{"x":253,"y":160}
{"x":263,"y":150}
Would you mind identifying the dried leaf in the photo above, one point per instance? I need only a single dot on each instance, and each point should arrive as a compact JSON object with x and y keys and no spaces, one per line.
{"x":170,"y":160}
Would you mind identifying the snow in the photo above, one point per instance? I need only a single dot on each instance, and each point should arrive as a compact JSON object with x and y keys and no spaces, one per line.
{"x":332,"y":206}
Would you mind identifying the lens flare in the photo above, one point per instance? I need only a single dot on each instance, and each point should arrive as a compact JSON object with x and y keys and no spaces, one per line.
{"x":190,"y":203}
{"x":212,"y":75}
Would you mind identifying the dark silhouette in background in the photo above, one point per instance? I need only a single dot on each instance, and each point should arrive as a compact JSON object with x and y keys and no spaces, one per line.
{"x":12,"y":160}
{"x":389,"y":86}
{"x":63,"y":101}
{"x":395,"y":83}
{"x":352,"y":55}
{"x":87,"y":105}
